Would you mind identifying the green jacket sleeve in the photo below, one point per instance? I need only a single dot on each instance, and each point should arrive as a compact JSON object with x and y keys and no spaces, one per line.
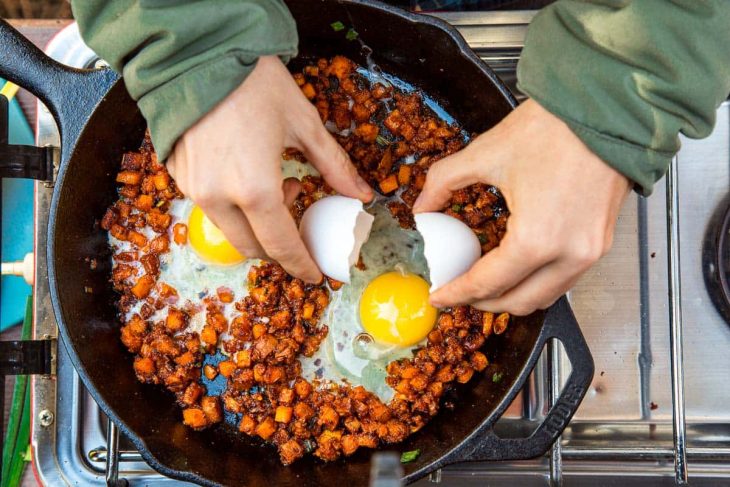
{"x":628,"y":75}
{"x":180,"y":58}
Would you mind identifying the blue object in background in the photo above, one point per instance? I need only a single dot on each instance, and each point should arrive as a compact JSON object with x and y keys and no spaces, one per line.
{"x":17,"y":224}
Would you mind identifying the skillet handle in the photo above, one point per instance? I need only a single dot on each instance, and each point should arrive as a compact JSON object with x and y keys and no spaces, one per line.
{"x":559,"y":323}
{"x":70,"y":94}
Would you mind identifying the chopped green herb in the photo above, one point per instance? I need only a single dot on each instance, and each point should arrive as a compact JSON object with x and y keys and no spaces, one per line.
{"x":382,"y":141}
{"x":409,"y":456}
{"x":159,"y":203}
{"x":337,"y":26}
{"x":351,"y":34}
{"x":482,"y":238}
{"x":27,"y":455}
{"x":497,"y":377}
{"x":456,"y":208}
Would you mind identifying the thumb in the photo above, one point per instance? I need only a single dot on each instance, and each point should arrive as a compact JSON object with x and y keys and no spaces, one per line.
{"x":333,"y":163}
{"x":444,"y":177}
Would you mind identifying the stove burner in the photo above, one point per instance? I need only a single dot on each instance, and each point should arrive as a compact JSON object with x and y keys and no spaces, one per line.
{"x":716,"y":258}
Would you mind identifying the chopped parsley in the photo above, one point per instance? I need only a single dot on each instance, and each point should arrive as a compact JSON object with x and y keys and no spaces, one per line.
{"x":409,"y":456}
{"x":337,"y":26}
{"x":382,"y":141}
{"x":351,"y":34}
{"x":497,"y":377}
{"x":482,"y":238}
{"x":456,"y":208}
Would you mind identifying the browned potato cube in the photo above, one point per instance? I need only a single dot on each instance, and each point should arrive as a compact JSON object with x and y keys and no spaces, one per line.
{"x":195,"y":418}
{"x":283,"y":414}
{"x":266,"y":428}
{"x":212,"y":409}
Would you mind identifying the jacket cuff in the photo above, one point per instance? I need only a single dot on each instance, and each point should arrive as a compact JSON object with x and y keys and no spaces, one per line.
{"x":642,"y":165}
{"x":198,"y":90}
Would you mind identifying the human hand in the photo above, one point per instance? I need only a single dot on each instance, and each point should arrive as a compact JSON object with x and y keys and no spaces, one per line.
{"x":229,"y":164}
{"x":563,"y":203}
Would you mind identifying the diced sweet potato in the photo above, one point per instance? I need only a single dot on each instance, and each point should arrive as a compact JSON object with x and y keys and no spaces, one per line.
{"x":191,"y":394}
{"x":302,"y":410}
{"x":308,"y":311}
{"x":283,"y":414}
{"x":208,"y":335}
{"x":349,"y":444}
{"x":226,"y":368}
{"x":389,"y":184}
{"x":129,"y":177}
{"x":180,"y":233}
{"x":225,"y":295}
{"x":136,"y":238}
{"x":258,"y":330}
{"x":210,"y":372}
{"x":309,"y":91}
{"x":176,"y":320}
{"x":243,"y":358}
{"x":161,"y":180}
{"x":194,"y":418}
{"x":290,"y":451}
{"x":487,"y":323}
{"x":404,"y":174}
{"x":328,"y":417}
{"x":160,"y":244}
{"x":302,"y":388}
{"x":266,"y":428}
{"x":187,"y":358}
{"x":247,"y":425}
{"x":144,"y":366}
{"x":500,"y":323}
{"x":144,"y":202}
{"x":212,"y":408}
{"x":143,"y":286}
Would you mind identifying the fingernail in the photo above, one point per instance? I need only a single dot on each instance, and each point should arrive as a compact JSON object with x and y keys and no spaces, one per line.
{"x":364,"y":187}
{"x":436,"y":302}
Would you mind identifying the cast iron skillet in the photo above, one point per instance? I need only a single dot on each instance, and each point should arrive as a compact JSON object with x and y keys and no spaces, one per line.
{"x":98,"y":122}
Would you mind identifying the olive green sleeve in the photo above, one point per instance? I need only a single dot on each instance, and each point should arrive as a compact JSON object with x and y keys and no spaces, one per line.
{"x":628,"y":75}
{"x":180,"y":58}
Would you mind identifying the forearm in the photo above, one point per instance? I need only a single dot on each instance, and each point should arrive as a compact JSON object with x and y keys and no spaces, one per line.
{"x":629,"y":75}
{"x":180,"y":58}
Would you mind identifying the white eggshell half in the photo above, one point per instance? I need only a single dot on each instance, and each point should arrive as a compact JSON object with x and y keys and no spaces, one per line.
{"x":333,"y":229}
{"x":450,"y":246}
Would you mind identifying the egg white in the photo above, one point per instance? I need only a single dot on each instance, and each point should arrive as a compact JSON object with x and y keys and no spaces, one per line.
{"x":346,"y":356}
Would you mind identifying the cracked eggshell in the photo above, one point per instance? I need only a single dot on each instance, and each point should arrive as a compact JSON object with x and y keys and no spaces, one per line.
{"x":333,"y":229}
{"x":449,"y":246}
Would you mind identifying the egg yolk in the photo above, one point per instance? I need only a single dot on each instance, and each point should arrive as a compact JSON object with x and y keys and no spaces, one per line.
{"x":394,"y":308}
{"x":209,"y":242}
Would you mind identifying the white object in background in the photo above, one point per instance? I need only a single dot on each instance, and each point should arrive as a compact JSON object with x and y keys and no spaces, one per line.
{"x":23,"y":268}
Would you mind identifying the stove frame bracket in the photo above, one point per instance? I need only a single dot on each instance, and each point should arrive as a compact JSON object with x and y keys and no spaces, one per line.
{"x":23,"y":161}
{"x":27,"y":357}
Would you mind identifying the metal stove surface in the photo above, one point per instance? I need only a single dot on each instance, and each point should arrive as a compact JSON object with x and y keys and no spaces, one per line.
{"x":622,"y":433}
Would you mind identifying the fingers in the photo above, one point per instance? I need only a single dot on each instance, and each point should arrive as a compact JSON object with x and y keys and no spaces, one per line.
{"x":331,"y":160}
{"x":291,"y":187}
{"x":444,"y":177}
{"x":538,"y":291}
{"x":278,"y":235}
{"x":495,"y":273}
{"x":234,"y":225}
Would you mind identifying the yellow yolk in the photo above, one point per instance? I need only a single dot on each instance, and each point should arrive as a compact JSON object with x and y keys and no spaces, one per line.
{"x":394,"y":308}
{"x":209,"y":242}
